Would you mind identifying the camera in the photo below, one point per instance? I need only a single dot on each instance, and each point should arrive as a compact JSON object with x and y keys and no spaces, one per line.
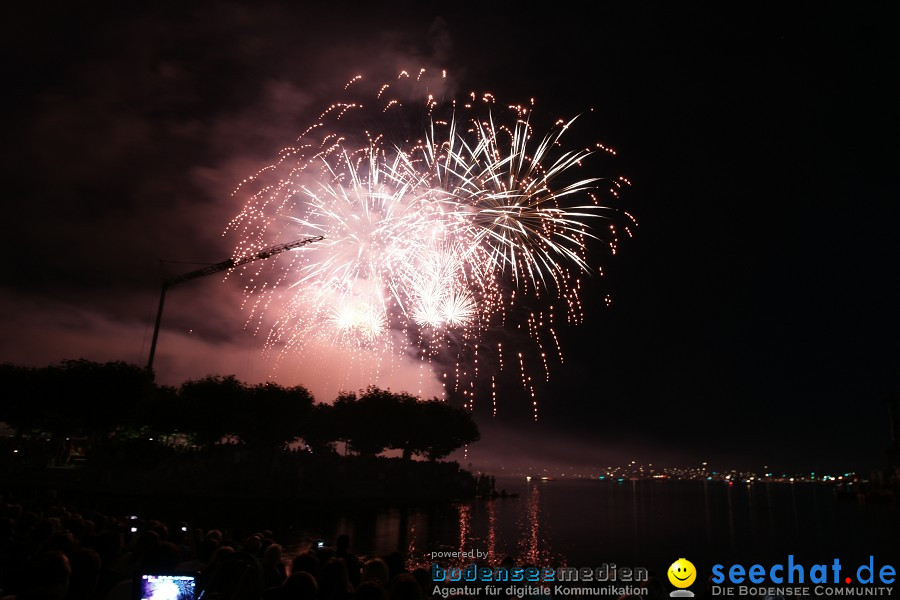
{"x":167,"y":586}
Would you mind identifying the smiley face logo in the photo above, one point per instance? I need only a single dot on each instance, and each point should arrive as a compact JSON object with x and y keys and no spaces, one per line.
{"x":682,"y":573}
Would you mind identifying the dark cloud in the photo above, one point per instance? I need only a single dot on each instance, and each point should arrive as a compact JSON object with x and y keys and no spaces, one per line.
{"x":134,"y":134}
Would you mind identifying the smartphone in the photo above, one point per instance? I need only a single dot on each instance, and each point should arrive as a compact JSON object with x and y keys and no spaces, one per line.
{"x":167,"y":586}
{"x":320,"y":544}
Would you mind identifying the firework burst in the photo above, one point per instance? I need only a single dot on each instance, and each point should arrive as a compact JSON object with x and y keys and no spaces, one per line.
{"x":437,"y":235}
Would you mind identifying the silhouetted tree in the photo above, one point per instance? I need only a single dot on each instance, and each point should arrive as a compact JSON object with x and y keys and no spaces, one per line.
{"x":160,"y":412}
{"x":320,"y":432}
{"x":208,"y":408}
{"x":366,"y":423}
{"x":263,"y":415}
{"x":105,"y":400}
{"x":273,"y":415}
{"x":100,"y":398}
{"x":379,"y":419}
{"x":442,"y":428}
{"x":76,"y":397}
{"x":19,"y":409}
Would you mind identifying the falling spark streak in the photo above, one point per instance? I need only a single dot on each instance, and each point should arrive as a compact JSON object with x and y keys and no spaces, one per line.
{"x":438,"y":237}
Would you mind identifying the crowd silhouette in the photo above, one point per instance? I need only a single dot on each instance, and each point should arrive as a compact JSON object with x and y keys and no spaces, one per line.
{"x":49,"y":552}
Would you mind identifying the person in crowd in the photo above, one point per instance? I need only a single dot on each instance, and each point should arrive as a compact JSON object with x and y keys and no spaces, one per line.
{"x":306,"y":562}
{"x":46,"y":577}
{"x":85,"y":576}
{"x":300,"y":586}
{"x":404,"y":587}
{"x":342,"y":550}
{"x":371,"y":590}
{"x":376,"y":570}
{"x":334,"y":583}
{"x":273,"y":568}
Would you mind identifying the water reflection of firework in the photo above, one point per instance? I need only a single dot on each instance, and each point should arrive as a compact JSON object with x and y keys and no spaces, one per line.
{"x":437,"y":235}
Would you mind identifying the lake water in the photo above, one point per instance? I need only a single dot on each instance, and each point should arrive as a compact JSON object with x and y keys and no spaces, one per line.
{"x":585,"y":523}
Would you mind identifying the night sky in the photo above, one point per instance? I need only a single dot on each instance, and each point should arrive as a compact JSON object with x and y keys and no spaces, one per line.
{"x":754,"y":314}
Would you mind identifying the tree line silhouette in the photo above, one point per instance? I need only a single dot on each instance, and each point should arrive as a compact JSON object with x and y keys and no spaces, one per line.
{"x":113,"y":402}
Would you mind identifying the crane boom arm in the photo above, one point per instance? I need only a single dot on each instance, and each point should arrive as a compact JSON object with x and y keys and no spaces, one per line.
{"x":231,"y":263}
{"x":222,"y":266}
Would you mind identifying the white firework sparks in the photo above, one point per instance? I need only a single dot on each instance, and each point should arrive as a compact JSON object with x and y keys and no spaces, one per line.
{"x":437,"y":236}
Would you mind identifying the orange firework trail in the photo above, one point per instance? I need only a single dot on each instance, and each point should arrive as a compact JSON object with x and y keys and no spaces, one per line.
{"x":433,"y":234}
